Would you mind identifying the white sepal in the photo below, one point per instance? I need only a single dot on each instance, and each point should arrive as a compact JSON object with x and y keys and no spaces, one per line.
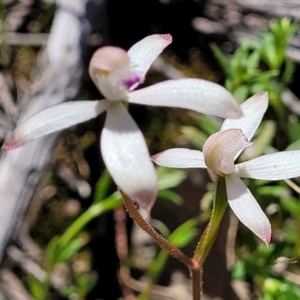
{"x":143,"y":53}
{"x":126,"y":157}
{"x":180,"y":158}
{"x":54,"y":118}
{"x":276,"y":166}
{"x":195,"y":94}
{"x":246,"y":208}
{"x":253,"y":109}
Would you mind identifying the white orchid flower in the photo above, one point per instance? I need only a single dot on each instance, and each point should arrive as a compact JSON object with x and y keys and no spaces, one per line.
{"x":222,"y":148}
{"x":116,"y":73}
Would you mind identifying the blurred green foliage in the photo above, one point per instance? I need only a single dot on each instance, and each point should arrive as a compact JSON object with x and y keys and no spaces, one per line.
{"x":63,"y":249}
{"x":255,"y":66}
{"x":263,"y":66}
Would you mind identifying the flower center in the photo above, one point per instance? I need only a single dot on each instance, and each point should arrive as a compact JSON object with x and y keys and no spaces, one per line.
{"x":112,"y":73}
{"x":220,"y":150}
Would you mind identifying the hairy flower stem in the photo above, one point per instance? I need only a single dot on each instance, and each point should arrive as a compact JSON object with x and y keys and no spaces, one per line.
{"x":206,"y":241}
{"x":210,"y":233}
{"x":160,"y":240}
{"x":196,"y":281}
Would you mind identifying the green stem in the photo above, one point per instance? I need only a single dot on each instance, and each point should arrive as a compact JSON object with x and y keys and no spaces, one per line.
{"x":210,"y":233}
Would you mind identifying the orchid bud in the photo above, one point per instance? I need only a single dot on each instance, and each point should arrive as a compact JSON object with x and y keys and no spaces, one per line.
{"x":111,"y":71}
{"x":221,"y":149}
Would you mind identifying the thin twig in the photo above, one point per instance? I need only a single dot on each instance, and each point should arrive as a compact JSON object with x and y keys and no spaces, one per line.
{"x":160,"y":240}
{"x":293,"y":185}
{"x":122,"y":250}
{"x":26,"y":263}
{"x":12,"y":287}
{"x":25,"y":39}
{"x":196,"y":279}
{"x":6,"y":98}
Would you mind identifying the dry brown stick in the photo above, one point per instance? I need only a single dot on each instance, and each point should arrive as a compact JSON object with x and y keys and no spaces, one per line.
{"x":6,"y":99}
{"x":12,"y":287}
{"x":21,"y":169}
{"x":122,"y":251}
{"x":28,"y":39}
{"x":27,"y":263}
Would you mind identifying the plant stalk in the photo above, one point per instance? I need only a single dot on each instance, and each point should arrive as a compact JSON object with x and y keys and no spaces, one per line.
{"x":209,"y":235}
{"x":159,"y":239}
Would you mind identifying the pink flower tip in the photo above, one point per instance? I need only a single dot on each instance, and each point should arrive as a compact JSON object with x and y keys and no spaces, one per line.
{"x":167,"y":37}
{"x":267,"y":239}
{"x":265,"y":235}
{"x":155,"y":157}
{"x":11,"y":144}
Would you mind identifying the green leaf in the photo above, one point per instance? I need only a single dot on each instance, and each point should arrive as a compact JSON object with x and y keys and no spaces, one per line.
{"x":102,"y":186}
{"x":69,"y":250}
{"x":239,"y":270}
{"x":222,"y":60}
{"x":258,"y":87}
{"x":288,"y":71}
{"x":84,"y":282}
{"x":95,"y":210}
{"x":280,"y":289}
{"x":51,"y":252}
{"x":291,"y":205}
{"x":293,"y":127}
{"x":68,"y":291}
{"x":169,"y":178}
{"x":160,"y":227}
{"x":88,"y":282}
{"x":241,"y":93}
{"x":263,"y":77}
{"x":182,"y":235}
{"x":36,"y":288}
{"x":170,"y":196}
{"x":208,"y":125}
{"x":293,"y":146}
{"x":194,"y":136}
{"x":274,"y":191}
{"x":261,"y":142}
{"x":239,"y":61}
{"x":253,"y":62}
{"x":269,"y":53}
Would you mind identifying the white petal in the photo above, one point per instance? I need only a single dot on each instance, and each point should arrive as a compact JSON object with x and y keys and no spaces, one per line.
{"x":246,"y":208}
{"x":143,"y":53}
{"x":180,"y":158}
{"x":253,"y":109}
{"x":54,"y":118}
{"x":126,"y":156}
{"x":195,"y":94}
{"x":275,"y":166}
